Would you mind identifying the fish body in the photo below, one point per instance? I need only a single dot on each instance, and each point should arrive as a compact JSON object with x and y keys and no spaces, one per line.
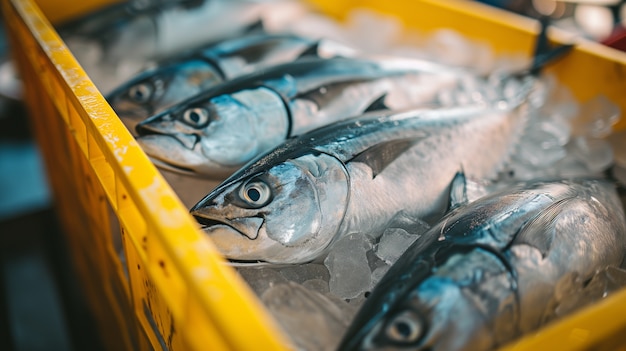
{"x":354,"y":176}
{"x":175,"y":79}
{"x":219,"y":130}
{"x":488,"y":271}
{"x":167,"y":26}
{"x":116,"y":42}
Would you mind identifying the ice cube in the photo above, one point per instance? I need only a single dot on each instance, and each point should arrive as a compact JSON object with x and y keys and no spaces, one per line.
{"x":310,"y":319}
{"x":378,"y":274}
{"x":304,"y":272}
{"x":358,"y":301}
{"x":475,"y":189}
{"x":373,"y":260}
{"x":317,"y":26}
{"x":562,"y":104}
{"x":596,"y":118}
{"x":348,"y":266}
{"x":596,"y":154}
{"x":484,"y":59}
{"x":261,"y":278}
{"x":450,"y":48}
{"x":539,"y":155}
{"x":371,"y":31}
{"x":571,"y":167}
{"x":317,"y":285}
{"x":510,"y":63}
{"x":558,"y":128}
{"x":520,"y":169}
{"x":393,"y":243}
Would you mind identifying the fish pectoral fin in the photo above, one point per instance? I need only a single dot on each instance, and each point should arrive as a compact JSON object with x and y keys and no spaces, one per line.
{"x":311,"y":51}
{"x":539,"y":232}
{"x":378,"y":104}
{"x":379,"y":156}
{"x":458,"y":191}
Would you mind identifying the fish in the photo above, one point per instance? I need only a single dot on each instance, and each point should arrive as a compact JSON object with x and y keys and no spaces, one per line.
{"x":168,"y":26}
{"x":216,"y":132}
{"x":488,"y":271}
{"x":117,"y":40}
{"x":177,"y":78}
{"x":356,"y":176}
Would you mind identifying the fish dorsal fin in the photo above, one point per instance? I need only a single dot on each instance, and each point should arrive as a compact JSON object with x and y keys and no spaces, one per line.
{"x":378,"y":104}
{"x":379,"y":156}
{"x":311,"y":51}
{"x":537,"y":232}
{"x":458,"y":191}
{"x":255,"y":27}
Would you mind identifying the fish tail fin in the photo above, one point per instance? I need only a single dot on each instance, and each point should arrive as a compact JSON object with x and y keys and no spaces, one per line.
{"x":544,"y":54}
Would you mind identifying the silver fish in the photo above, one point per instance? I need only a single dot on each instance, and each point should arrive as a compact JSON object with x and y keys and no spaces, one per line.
{"x":355,"y":176}
{"x":175,"y":79}
{"x":149,"y":29}
{"x":116,"y":43}
{"x":218,"y":131}
{"x":488,"y":271}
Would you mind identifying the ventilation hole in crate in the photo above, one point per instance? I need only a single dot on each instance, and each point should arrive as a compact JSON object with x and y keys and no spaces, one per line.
{"x":122,"y":300}
{"x":116,"y":239}
{"x":146,"y":312}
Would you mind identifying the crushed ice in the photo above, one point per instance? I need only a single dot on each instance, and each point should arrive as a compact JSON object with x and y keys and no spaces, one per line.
{"x":565,"y":138}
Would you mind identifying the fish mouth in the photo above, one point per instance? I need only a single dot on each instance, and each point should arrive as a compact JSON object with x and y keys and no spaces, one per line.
{"x":163,"y":149}
{"x":240,"y":247}
{"x":208,"y":223}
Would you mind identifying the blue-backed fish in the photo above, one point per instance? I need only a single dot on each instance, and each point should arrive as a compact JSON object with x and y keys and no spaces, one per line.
{"x":488,"y":272}
{"x":115,"y":43}
{"x":216,"y":132}
{"x":175,"y":79}
{"x":363,"y":174}
{"x":356,"y":176}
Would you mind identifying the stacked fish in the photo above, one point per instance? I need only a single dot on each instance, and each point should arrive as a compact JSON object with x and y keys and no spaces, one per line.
{"x":321,"y":146}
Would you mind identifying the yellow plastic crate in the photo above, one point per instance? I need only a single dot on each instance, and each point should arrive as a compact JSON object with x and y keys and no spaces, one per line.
{"x":174,"y":290}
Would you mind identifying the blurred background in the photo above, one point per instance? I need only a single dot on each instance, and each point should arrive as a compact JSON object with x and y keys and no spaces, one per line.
{"x":41,"y":306}
{"x":600,"y":20}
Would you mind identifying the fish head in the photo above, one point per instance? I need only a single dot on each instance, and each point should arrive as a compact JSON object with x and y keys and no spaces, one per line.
{"x":437,"y":315}
{"x":156,"y":89}
{"x":282,"y":211}
{"x":213,"y":135}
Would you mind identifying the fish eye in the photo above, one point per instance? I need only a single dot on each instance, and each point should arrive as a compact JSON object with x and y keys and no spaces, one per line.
{"x":255,"y":194}
{"x":141,"y":92}
{"x":405,"y":328}
{"x":196,"y":117}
